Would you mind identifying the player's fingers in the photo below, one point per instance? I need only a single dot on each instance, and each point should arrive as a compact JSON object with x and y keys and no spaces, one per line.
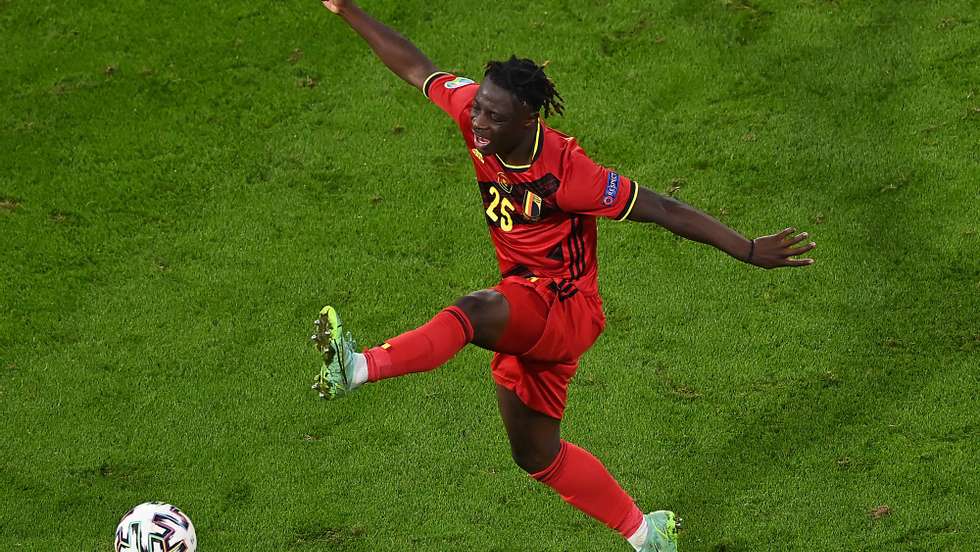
{"x":799,"y":262}
{"x":795,"y":239}
{"x":799,"y":250}
{"x":782,"y":235}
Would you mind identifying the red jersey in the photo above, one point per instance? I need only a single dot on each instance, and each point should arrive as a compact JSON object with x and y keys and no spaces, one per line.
{"x":542,"y":216}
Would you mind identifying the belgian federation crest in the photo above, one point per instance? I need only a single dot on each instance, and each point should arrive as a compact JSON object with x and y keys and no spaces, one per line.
{"x":532,"y":206}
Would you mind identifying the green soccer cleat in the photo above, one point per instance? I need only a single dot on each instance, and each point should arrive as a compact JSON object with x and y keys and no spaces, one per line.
{"x":336,"y":377}
{"x":662,"y":536}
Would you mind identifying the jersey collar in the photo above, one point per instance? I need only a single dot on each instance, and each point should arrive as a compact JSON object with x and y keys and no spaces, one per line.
{"x":534,"y":153}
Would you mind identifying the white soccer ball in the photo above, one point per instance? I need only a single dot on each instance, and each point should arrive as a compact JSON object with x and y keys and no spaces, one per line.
{"x":155,"y":527}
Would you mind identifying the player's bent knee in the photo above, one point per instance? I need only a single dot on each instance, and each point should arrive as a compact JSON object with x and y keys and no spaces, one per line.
{"x":532,"y":460}
{"x":484,"y":307}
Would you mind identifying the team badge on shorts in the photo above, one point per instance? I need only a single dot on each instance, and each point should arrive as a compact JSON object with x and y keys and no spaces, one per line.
{"x":457,"y":82}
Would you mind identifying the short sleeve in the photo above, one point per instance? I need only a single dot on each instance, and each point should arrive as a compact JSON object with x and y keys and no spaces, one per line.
{"x":590,"y":189}
{"x":451,"y":93}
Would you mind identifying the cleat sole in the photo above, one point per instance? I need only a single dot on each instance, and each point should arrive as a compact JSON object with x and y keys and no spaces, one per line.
{"x":335,"y":351}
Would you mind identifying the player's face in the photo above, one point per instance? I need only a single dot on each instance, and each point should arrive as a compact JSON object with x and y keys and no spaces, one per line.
{"x":501,"y":123}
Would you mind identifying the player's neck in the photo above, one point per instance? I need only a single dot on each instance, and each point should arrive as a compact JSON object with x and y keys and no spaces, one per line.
{"x":522,"y":154}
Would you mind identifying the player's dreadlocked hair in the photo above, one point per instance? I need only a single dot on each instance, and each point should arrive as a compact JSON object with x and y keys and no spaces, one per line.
{"x":527,"y":82}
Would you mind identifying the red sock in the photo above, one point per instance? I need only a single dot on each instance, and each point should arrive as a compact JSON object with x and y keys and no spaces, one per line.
{"x":423,"y":348}
{"x":584,"y":482}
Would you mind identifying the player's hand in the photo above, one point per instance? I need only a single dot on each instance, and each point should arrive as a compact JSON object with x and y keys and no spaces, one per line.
{"x":335,"y":5}
{"x":779,"y":249}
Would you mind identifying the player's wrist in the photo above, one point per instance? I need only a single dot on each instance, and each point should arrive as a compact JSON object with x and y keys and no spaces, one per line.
{"x":750,"y":255}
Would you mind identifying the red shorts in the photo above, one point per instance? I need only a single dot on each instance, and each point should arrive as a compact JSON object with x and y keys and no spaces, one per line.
{"x":572,"y":322}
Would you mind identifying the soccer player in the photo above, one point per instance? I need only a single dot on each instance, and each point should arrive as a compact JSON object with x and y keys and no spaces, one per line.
{"x":541,"y":196}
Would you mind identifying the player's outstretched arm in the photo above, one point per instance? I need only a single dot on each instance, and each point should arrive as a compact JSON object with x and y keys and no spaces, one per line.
{"x":771,"y":251}
{"x":400,"y":55}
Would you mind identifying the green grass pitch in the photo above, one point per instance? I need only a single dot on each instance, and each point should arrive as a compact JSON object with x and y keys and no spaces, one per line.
{"x":184,"y":185}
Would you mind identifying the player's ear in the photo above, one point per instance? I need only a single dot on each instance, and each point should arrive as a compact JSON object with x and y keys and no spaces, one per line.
{"x":523,"y":110}
{"x":532,"y":119}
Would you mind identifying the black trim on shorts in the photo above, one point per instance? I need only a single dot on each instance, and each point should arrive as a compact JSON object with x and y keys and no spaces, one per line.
{"x":564,"y":289}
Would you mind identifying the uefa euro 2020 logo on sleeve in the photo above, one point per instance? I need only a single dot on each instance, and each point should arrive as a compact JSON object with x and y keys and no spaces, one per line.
{"x":457,"y":82}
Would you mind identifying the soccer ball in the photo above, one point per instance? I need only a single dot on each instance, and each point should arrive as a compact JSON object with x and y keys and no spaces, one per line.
{"x":155,"y":527}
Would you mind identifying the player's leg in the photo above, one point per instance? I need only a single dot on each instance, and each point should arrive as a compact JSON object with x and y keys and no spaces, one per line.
{"x":479,"y":317}
{"x":531,"y":392}
{"x":535,"y":438}
{"x":572,"y":472}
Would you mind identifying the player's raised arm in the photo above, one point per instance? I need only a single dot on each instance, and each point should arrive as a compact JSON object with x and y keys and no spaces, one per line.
{"x":771,"y":251}
{"x":400,"y":55}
